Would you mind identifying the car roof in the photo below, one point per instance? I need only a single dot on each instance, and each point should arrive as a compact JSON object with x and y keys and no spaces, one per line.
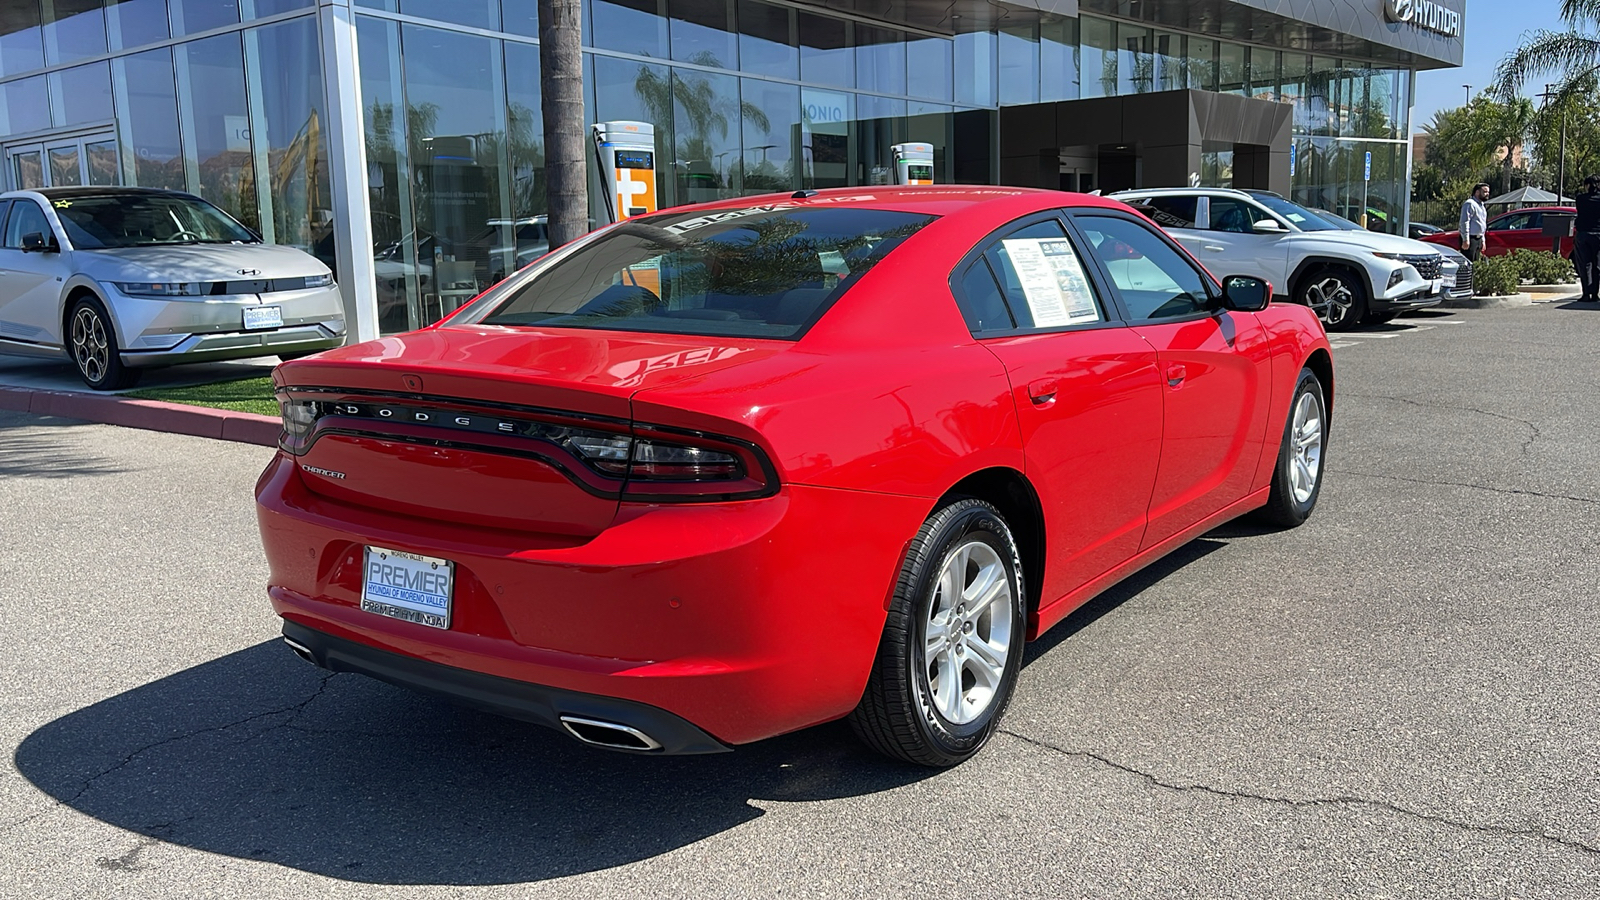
{"x":937,"y":199}
{"x":67,"y":193}
{"x":1186,"y":191}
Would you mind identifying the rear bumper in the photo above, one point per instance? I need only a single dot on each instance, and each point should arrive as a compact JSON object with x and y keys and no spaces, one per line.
{"x":535,"y":703}
{"x":747,"y":619}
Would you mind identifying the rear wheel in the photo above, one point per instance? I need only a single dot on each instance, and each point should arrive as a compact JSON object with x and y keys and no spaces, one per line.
{"x":1297,"y":477}
{"x":92,"y":343}
{"x":1338,"y":298}
{"x":952,"y":644}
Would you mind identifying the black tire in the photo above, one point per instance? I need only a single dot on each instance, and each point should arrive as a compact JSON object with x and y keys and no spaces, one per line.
{"x":91,"y":342}
{"x":1286,"y":507}
{"x":1326,"y":291}
{"x":899,"y":714}
{"x":289,"y":357}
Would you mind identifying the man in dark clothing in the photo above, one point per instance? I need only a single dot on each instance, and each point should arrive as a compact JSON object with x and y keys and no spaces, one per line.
{"x":1586,"y":239}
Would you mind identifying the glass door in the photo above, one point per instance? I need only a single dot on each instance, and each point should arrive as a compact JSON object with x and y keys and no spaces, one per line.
{"x":63,"y":162}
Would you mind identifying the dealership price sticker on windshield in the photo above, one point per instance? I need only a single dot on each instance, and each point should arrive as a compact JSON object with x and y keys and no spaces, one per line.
{"x":1052,"y":281}
{"x":407,"y":586}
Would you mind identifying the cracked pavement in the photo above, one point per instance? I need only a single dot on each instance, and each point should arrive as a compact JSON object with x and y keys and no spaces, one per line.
{"x":1397,"y":700}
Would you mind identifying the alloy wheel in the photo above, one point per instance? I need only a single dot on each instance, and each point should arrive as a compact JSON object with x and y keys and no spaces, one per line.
{"x":1305,"y":454}
{"x":90,"y":349}
{"x":1331,"y":299}
{"x":968,"y":635}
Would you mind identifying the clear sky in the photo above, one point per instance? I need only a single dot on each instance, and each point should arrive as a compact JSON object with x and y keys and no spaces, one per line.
{"x":1494,"y":28}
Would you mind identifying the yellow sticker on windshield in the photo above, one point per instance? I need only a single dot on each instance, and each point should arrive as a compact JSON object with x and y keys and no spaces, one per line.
{"x":63,"y":204}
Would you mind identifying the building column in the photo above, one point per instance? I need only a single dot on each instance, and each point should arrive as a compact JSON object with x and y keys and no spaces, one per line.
{"x":347,"y":163}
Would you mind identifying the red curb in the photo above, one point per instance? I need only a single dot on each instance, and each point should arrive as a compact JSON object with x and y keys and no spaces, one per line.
{"x":151,"y":415}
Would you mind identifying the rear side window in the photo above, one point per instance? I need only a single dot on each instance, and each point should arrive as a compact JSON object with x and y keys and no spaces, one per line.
{"x":1042,"y":278}
{"x":981,"y":303}
{"x":1169,"y":212}
{"x":26,"y":218}
{"x":758,"y":272}
{"x":1155,"y":282}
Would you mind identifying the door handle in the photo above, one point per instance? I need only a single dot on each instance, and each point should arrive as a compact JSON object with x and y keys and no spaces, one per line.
{"x":1042,"y":391}
{"x":1176,"y":374}
{"x":1215,"y":248}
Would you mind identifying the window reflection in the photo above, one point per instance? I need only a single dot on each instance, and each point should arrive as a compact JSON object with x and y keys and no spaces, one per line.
{"x":1135,"y":62}
{"x":288,"y":132}
{"x":25,"y":105}
{"x":216,"y":120}
{"x":1099,"y":58}
{"x":1019,"y":64}
{"x":134,"y":23}
{"x":628,"y":26}
{"x":149,"y":120}
{"x":394,"y":248}
{"x":1202,"y":64}
{"x":975,"y":68}
{"x":476,"y":13}
{"x":766,"y":40}
{"x":702,"y":33}
{"x":825,"y":136}
{"x":706,"y":111}
{"x":83,"y":94}
{"x":880,"y":60}
{"x":929,"y":68}
{"x":1172,"y":67}
{"x":21,"y":37}
{"x":73,"y":29}
{"x":825,"y":56}
{"x":771,"y":140}
{"x":1058,"y":59}
{"x":625,"y":90}
{"x":195,"y":16}
{"x":520,"y":16}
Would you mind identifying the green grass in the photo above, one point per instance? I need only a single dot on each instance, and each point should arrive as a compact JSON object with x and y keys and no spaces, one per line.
{"x":251,"y":395}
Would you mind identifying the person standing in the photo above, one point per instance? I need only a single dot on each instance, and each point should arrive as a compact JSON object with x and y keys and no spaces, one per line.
{"x":1586,"y":239}
{"x":1474,"y":222}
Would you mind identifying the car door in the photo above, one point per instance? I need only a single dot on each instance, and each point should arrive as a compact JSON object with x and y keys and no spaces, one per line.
{"x":1215,"y":389}
{"x":1086,"y":390}
{"x":1230,"y":245}
{"x":30,"y":282}
{"x":1504,"y":234}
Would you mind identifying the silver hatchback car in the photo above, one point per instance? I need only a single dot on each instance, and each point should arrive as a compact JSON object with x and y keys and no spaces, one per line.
{"x":123,"y":279}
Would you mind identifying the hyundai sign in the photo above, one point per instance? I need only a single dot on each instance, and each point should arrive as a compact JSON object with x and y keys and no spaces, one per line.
{"x":1428,"y":15}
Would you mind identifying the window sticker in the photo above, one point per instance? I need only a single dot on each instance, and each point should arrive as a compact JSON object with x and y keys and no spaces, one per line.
{"x":1052,"y":281}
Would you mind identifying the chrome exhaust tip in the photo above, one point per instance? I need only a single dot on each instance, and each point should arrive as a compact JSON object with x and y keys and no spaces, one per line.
{"x":610,"y":735}
{"x":301,"y":650}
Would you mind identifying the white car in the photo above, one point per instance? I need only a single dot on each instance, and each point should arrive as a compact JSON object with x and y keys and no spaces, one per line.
{"x":1348,"y":277}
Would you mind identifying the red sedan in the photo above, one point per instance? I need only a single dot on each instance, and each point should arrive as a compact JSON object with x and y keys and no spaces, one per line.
{"x":1519,"y":229}
{"x":721,"y":473}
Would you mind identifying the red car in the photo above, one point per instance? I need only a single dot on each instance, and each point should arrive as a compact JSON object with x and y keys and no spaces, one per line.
{"x":1517,"y":229}
{"x":721,"y":473}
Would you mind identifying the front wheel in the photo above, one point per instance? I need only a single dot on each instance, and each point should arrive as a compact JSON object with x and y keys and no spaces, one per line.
{"x":1297,"y":477}
{"x":1338,"y":298}
{"x":92,"y":342}
{"x":952,"y":644}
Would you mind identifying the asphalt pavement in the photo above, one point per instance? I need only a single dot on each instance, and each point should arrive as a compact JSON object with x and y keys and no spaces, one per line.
{"x":1399,"y":699}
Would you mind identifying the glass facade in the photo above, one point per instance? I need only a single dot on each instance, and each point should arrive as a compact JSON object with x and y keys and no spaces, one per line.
{"x":230,"y":99}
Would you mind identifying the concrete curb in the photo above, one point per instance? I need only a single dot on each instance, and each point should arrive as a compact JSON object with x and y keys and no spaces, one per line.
{"x":1506,"y":302}
{"x":152,"y":415}
{"x":1574,"y":287}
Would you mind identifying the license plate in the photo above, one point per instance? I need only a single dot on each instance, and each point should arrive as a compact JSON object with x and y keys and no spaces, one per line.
{"x":1437,"y":284}
{"x":263,"y":317}
{"x":407,"y":586}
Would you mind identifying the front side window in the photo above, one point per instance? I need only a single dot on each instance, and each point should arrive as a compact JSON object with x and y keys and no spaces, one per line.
{"x":1302,"y":218}
{"x":144,"y":220}
{"x":758,"y":272}
{"x":26,"y":218}
{"x":1511,"y":223}
{"x":1155,"y":282}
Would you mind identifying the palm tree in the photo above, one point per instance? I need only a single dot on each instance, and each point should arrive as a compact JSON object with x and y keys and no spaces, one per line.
{"x":561,"y":96}
{"x":1572,"y":55}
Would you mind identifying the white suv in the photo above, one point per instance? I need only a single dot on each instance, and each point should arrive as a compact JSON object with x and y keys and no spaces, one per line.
{"x":1348,"y":277}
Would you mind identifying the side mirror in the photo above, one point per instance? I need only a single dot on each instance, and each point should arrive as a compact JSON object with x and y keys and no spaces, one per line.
{"x":34,"y":242}
{"x":1245,"y":294}
{"x":1267,"y":226}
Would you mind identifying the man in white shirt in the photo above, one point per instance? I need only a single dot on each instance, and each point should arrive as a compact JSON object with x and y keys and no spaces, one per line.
{"x":1474,"y":222}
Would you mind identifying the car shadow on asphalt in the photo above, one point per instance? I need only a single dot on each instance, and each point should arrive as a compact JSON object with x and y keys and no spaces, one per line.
{"x":29,"y":449}
{"x":259,"y":756}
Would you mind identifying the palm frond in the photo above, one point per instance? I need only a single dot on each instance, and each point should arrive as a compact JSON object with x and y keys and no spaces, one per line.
{"x":1567,"y":54}
{"x":1578,"y":12}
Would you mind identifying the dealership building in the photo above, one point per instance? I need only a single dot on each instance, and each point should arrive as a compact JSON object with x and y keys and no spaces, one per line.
{"x":401,"y":140}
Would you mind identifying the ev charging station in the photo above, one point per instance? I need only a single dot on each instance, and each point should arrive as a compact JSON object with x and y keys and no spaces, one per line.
{"x":627,"y":155}
{"x":913,"y":163}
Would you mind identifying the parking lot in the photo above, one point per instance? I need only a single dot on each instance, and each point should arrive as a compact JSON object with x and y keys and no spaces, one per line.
{"x":1399,"y":699}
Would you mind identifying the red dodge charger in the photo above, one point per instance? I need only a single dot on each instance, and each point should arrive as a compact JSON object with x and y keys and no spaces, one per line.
{"x":721,"y":473}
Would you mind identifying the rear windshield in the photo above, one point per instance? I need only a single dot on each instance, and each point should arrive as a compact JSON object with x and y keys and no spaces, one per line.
{"x":142,"y":220}
{"x":758,"y":272}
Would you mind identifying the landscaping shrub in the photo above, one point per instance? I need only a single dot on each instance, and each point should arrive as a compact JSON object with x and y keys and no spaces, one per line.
{"x":1495,"y":275}
{"x":1542,"y":267}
